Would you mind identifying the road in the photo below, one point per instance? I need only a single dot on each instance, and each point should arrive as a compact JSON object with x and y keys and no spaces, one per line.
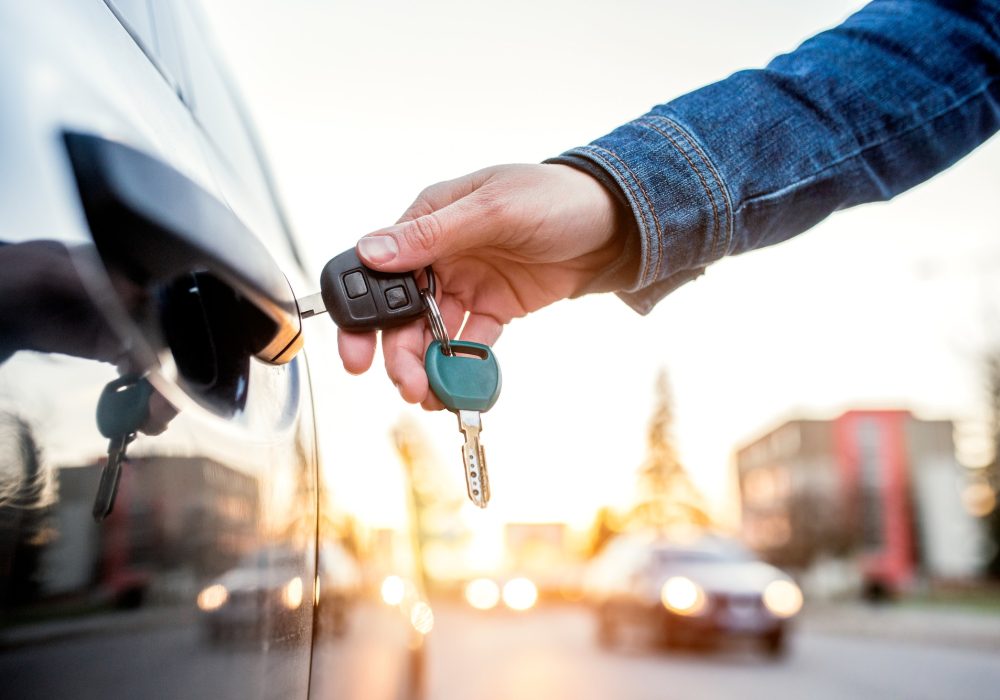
{"x":550,"y":654}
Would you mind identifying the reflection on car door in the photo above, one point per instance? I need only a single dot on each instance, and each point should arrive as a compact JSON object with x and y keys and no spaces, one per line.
{"x":201,"y":582}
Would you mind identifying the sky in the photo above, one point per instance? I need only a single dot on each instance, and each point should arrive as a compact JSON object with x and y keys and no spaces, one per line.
{"x":360,"y":105}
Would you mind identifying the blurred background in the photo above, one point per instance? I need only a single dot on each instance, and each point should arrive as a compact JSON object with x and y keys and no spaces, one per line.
{"x":830,"y":406}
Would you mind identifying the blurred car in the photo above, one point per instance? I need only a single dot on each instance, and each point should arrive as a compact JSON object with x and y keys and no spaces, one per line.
{"x":705,"y":590}
{"x":338,"y":588}
{"x":263,"y":592}
{"x":141,"y":235}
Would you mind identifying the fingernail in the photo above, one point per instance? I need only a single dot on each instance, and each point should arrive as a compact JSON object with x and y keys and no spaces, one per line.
{"x":378,"y":249}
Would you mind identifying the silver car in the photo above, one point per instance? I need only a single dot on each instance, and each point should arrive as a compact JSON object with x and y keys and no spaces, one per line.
{"x":143,"y":249}
{"x":686,"y":591}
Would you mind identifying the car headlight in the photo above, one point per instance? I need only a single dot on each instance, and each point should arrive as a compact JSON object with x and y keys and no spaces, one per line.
{"x":783,"y":598}
{"x":291,"y":594}
{"x":520,"y":594}
{"x":213,"y":597}
{"x":482,"y":594}
{"x":683,"y":596}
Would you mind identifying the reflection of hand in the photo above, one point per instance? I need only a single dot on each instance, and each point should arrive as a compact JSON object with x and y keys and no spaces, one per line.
{"x":44,"y":307}
{"x":505,"y":241}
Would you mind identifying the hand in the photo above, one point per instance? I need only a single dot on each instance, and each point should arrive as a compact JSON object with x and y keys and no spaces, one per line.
{"x":44,"y":307}
{"x":504,"y":241}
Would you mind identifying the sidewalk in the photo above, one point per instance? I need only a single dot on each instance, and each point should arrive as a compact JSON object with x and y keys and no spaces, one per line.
{"x":953,"y":626}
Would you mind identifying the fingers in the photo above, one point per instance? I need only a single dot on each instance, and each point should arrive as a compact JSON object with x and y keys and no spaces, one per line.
{"x":482,"y":328}
{"x":442,"y":194}
{"x":403,"y":349}
{"x":357,"y":350}
{"x":161,"y":412}
{"x":473,"y":220}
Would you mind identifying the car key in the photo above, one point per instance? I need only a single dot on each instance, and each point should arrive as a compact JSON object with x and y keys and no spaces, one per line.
{"x":467,"y":382}
{"x":121,"y":410}
{"x":361,"y":299}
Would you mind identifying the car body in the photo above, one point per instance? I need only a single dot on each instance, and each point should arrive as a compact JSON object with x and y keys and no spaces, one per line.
{"x":140,"y":236}
{"x":702,"y":589}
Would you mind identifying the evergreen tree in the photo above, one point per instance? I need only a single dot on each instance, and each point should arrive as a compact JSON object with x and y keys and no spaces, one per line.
{"x":667,"y":498}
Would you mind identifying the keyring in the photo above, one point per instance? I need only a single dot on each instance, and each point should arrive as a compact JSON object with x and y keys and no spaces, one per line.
{"x":437,"y":322}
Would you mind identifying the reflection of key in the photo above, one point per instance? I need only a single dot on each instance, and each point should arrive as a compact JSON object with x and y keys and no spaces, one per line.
{"x":468,"y":383}
{"x":121,"y":411}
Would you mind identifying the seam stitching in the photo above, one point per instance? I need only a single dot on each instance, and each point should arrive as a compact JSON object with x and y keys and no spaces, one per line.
{"x":652,"y":210}
{"x":727,"y":202}
{"x":701,"y":178}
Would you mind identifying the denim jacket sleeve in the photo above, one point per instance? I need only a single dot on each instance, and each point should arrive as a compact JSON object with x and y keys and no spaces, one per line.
{"x":898,"y":92}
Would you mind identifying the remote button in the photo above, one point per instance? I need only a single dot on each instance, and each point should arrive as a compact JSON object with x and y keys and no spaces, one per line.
{"x":354,"y":283}
{"x":395,"y":297}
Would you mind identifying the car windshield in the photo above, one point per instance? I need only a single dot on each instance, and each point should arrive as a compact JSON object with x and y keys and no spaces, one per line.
{"x":271,"y":558}
{"x":717,"y":554}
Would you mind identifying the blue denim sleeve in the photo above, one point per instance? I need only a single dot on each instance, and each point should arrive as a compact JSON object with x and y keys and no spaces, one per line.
{"x":898,"y":92}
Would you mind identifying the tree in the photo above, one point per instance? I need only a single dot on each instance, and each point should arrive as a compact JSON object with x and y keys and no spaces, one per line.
{"x":667,"y":498}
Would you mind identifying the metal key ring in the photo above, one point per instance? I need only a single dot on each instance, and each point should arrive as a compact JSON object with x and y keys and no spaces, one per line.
{"x":437,"y":322}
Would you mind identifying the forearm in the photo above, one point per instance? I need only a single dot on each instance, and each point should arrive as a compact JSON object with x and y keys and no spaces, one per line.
{"x":897,"y":93}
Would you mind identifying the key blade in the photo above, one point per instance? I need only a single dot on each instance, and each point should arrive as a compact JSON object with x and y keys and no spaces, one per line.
{"x":311,"y":305}
{"x":107,"y":490}
{"x":477,"y":481}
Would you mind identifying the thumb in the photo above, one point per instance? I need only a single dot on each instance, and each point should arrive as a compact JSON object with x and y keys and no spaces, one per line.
{"x":411,"y":245}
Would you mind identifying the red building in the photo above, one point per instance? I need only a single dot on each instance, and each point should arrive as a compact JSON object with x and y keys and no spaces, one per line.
{"x":880,"y":489}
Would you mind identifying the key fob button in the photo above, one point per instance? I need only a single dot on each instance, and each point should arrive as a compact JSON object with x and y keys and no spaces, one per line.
{"x":360,"y":299}
{"x":354,"y":283}
{"x":395,"y":298}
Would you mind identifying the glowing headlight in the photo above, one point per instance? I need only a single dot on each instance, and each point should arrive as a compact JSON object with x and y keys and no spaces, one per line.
{"x":482,"y":594}
{"x":393,"y":590}
{"x":520,"y":594}
{"x":291,"y":594}
{"x":683,"y":596}
{"x":213,"y":597}
{"x":783,"y":598}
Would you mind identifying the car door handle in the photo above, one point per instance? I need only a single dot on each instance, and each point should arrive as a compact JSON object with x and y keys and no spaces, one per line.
{"x":155,"y":224}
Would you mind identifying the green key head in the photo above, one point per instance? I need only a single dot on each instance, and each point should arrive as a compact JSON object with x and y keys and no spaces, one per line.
{"x":468,"y":379}
{"x":123,"y":406}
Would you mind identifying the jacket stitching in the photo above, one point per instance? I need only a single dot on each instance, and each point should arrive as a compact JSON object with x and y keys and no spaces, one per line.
{"x":652,"y":210}
{"x":701,"y":178}
{"x":727,"y":202}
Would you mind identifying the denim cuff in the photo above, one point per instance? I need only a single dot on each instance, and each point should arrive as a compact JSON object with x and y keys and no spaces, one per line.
{"x":682,"y":210}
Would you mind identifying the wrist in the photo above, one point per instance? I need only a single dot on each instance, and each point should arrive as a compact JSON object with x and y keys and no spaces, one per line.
{"x":616,"y":261}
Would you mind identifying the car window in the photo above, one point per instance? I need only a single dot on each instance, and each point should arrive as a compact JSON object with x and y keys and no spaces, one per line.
{"x":234,"y":154}
{"x":137,"y":19}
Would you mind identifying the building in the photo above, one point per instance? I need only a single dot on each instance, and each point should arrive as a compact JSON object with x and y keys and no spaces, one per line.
{"x":879,"y":489}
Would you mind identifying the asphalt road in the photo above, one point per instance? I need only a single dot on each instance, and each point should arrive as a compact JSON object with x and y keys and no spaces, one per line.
{"x":552,"y":654}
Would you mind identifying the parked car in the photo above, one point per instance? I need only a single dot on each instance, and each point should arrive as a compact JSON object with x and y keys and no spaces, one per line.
{"x":694,"y":591}
{"x":141,"y":241}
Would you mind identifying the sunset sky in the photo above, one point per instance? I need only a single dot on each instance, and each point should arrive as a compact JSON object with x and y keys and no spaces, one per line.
{"x":362,"y":104}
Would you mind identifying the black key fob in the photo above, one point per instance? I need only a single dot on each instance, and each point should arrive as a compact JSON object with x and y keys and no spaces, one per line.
{"x":361,"y":299}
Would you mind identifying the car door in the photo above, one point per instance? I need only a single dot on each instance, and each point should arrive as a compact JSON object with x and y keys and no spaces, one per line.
{"x":121,"y":253}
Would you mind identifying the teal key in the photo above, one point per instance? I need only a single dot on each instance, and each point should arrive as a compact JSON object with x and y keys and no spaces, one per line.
{"x":121,"y":410}
{"x":468,"y":383}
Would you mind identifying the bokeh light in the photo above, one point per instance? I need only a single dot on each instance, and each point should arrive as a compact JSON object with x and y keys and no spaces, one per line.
{"x":422,"y":617}
{"x":520,"y":594}
{"x":482,"y":594}
{"x":783,"y":598}
{"x":393,"y":589}
{"x":682,"y":595}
